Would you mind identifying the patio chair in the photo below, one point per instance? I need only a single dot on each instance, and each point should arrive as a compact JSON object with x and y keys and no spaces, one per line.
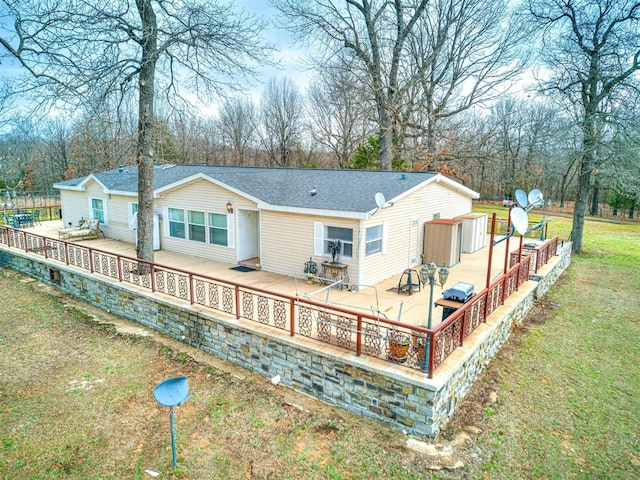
{"x":86,"y":230}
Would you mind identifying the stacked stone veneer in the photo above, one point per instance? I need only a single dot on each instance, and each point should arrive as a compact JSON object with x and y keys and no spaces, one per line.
{"x":548,"y":274}
{"x":403,"y":398}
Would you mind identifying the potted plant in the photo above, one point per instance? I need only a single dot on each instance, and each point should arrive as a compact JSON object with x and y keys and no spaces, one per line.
{"x":310,"y":270}
{"x":335,"y":247}
{"x":418,"y":341}
{"x":398,"y":346}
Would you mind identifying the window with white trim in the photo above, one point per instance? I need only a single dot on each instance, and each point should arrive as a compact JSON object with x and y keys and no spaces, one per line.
{"x":218,"y":230}
{"x":345,"y":235}
{"x":97,"y":209}
{"x":176,"y":222}
{"x":374,"y":237}
{"x":197,"y":228}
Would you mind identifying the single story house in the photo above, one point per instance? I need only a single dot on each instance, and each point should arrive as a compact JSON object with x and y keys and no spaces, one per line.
{"x":277,"y":218}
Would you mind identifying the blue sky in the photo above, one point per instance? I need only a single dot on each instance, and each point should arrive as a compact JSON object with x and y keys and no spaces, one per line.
{"x":289,"y":56}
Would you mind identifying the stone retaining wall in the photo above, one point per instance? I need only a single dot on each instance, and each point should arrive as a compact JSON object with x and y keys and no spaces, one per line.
{"x":403,"y":398}
{"x":547,"y":275}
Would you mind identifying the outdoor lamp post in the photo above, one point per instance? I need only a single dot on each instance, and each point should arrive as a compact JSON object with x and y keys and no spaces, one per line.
{"x":428,"y":275}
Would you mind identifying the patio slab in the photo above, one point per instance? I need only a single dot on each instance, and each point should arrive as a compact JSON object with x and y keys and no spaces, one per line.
{"x":382,"y":297}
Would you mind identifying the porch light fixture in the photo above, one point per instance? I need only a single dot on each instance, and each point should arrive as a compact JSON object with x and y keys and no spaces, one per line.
{"x":428,"y":275}
{"x":229,"y":207}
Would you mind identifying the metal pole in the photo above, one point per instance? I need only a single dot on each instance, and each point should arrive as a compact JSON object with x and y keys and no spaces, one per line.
{"x":431,"y":282}
{"x":427,"y":345}
{"x":493,"y":233}
{"x":173,"y":439}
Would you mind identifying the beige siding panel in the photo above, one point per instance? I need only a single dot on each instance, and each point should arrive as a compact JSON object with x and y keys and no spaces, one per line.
{"x":118,"y":227}
{"x":75,"y":206}
{"x":405,"y":228}
{"x":200,"y":195}
{"x":288,"y":242}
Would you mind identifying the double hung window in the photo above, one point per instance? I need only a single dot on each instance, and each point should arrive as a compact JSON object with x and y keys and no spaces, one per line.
{"x":218,"y":230}
{"x":176,"y":222}
{"x":97,"y":209}
{"x":374,"y":240}
{"x":345,"y":235}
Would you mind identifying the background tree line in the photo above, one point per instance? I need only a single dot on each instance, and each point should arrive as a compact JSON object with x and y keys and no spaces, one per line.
{"x":540,"y":95}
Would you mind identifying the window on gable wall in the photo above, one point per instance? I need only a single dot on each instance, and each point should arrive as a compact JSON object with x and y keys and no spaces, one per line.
{"x":97,"y":209}
{"x":197,"y":230}
{"x":218,"y":231}
{"x":176,"y":222}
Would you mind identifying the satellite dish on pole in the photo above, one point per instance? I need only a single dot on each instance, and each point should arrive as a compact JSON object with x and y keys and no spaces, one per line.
{"x":520,"y":220}
{"x":521,"y":198}
{"x":535,"y":198}
{"x":380,"y":200}
{"x":171,"y":393}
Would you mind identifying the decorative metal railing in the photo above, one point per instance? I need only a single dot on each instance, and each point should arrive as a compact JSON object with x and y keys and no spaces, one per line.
{"x":539,"y":255}
{"x":360,"y":333}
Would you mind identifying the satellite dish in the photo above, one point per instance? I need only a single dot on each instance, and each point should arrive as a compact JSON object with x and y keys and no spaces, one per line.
{"x":172,"y":392}
{"x":535,"y":197}
{"x":380,"y":200}
{"x":520,"y":220}
{"x":521,"y":198}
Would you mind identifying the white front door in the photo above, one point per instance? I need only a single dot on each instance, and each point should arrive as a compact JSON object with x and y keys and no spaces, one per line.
{"x":248,"y":235}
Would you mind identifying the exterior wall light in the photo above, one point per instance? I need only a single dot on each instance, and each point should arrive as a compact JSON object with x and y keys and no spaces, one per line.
{"x":229,"y":207}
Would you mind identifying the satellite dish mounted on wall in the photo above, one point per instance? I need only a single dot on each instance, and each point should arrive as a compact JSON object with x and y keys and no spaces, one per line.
{"x":520,"y":220}
{"x":380,"y":200}
{"x":521,"y":198}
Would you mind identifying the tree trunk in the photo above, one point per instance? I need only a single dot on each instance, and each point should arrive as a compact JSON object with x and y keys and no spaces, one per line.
{"x":595,"y":199}
{"x":386,"y":132}
{"x":584,"y":178}
{"x":144,"y":154}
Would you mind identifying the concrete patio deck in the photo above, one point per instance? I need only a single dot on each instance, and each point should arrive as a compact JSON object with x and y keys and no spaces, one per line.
{"x":382,"y":297}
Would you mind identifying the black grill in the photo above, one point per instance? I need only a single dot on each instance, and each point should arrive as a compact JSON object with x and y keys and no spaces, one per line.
{"x":460,"y":292}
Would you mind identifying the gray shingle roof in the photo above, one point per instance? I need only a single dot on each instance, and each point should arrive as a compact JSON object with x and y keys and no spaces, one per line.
{"x":341,"y":190}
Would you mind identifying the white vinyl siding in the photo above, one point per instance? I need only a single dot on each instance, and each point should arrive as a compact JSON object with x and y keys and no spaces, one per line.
{"x":304,"y":239}
{"x":403,"y":230}
{"x":203,"y":196}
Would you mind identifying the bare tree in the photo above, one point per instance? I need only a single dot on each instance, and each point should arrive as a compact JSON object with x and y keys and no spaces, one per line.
{"x":591,"y":50}
{"x":75,"y":49}
{"x":465,"y":52}
{"x":238,"y":125}
{"x":338,"y":112}
{"x":281,"y":114}
{"x":372,"y":33}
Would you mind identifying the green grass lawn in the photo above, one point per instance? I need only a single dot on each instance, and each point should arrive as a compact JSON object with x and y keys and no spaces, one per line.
{"x":569,"y":393}
{"x":76,"y":398}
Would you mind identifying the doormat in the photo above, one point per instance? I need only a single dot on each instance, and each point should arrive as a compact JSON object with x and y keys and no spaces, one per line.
{"x":242,"y":268}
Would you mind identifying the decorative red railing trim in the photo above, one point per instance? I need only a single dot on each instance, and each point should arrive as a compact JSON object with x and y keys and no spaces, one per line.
{"x":492,"y":296}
